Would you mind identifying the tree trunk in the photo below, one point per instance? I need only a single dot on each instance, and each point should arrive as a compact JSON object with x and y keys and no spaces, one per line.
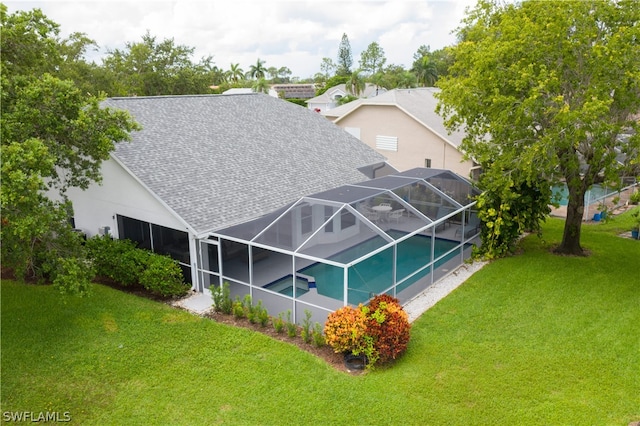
{"x":571,"y":237}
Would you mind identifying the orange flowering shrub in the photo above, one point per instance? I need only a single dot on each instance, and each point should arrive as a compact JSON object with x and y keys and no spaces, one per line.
{"x":345,"y":329}
{"x":389,"y":326}
{"x":380,"y":330}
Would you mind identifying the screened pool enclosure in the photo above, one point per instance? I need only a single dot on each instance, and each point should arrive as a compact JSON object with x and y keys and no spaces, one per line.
{"x":396,"y":234}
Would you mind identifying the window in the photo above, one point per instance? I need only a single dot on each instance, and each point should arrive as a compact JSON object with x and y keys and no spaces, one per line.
{"x":328,"y":211}
{"x":387,"y":143}
{"x":347,"y":220}
{"x":158,"y":239}
{"x":427,"y":163}
{"x":306,"y":214}
{"x":172,"y":242}
{"x":136,"y":231}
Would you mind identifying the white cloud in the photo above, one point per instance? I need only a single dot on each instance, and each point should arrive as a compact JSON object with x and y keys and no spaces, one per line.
{"x":292,"y":33}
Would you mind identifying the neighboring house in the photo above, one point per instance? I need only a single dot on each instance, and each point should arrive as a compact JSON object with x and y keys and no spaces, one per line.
{"x":331,"y":97}
{"x":292,"y":91}
{"x":238,"y":91}
{"x":203,"y":163}
{"x":402,"y":125}
{"x":283,"y":91}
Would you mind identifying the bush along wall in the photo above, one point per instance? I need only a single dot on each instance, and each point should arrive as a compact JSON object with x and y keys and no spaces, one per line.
{"x":127,"y":265}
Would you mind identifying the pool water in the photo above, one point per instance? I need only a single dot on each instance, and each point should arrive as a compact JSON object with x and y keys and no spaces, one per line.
{"x":592,"y":195}
{"x":285,"y":286}
{"x":375,"y":274}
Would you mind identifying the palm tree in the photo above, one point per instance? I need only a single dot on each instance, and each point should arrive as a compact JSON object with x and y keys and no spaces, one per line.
{"x":426,"y":71}
{"x":355,"y":85}
{"x":261,"y":86}
{"x":235,"y":73}
{"x":258,"y":70}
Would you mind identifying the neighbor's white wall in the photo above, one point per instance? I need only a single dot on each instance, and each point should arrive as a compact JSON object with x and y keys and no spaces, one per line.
{"x":119,"y":194}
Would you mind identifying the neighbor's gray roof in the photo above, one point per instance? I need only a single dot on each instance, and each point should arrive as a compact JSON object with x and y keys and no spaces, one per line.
{"x":219,"y":160}
{"x":420,"y":103}
{"x":370,"y":90}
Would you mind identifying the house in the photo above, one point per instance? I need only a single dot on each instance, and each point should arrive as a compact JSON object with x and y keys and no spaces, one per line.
{"x":202,"y":163}
{"x":292,"y":91}
{"x":402,"y":125}
{"x":330,"y":98}
{"x":278,"y":202}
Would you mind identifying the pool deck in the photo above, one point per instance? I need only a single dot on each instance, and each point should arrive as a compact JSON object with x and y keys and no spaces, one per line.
{"x":622,"y":206}
{"x":200,"y":303}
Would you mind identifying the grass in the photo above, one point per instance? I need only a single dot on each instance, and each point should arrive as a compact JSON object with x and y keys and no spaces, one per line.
{"x":531,"y":339}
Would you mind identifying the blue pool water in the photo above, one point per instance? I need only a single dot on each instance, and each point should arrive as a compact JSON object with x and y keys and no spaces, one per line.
{"x":285,"y":286}
{"x":375,"y":274}
{"x":591,"y":196}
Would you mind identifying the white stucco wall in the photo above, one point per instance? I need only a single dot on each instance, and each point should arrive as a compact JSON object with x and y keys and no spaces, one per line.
{"x":119,"y":194}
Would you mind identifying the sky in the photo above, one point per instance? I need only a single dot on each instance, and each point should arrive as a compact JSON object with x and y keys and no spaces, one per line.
{"x":283,"y":33}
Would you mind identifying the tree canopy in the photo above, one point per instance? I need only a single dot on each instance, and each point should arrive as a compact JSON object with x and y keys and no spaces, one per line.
{"x":54,"y":136}
{"x":372,"y":60}
{"x":544,"y":91}
{"x":345,"y":56}
{"x":150,"y":68}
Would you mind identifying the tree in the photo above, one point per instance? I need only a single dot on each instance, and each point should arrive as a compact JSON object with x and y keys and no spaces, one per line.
{"x":261,"y":86}
{"x":426,"y":71}
{"x":345,"y":57}
{"x":235,"y":73}
{"x":54,"y":136}
{"x":31,"y":44}
{"x":284,"y":74}
{"x":356,"y":84}
{"x":544,"y":91}
{"x":258,"y":70}
{"x":151,"y":68}
{"x":372,"y":60}
{"x":395,"y":77}
{"x":328,"y":67}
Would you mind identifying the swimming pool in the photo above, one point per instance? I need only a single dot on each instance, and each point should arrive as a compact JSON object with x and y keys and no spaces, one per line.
{"x":375,"y":274}
{"x":593,"y":195}
{"x":285,"y":286}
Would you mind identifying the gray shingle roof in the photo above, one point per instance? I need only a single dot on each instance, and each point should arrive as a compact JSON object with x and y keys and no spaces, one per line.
{"x":219,"y":160}
{"x":420,"y":103}
{"x":370,"y":91}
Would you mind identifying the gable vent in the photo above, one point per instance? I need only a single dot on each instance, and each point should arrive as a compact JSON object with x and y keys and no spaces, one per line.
{"x":387,"y":143}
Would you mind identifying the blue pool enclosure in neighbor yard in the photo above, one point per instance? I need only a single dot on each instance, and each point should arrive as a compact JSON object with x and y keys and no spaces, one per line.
{"x":595,"y":197}
{"x":396,"y":234}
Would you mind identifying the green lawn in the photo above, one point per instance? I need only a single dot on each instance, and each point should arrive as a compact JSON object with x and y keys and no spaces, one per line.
{"x":532,"y":339}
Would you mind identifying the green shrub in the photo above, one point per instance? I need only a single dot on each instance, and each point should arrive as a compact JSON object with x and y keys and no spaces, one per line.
{"x":221,"y":296}
{"x":278,"y":324}
{"x":261,"y":314}
{"x":127,"y":265}
{"x":162,"y":276}
{"x":635,"y":197}
{"x":117,"y":259}
{"x":305,"y":333}
{"x":238,"y":308}
{"x":318,"y":337}
{"x":73,"y":276}
{"x":292,"y":328}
